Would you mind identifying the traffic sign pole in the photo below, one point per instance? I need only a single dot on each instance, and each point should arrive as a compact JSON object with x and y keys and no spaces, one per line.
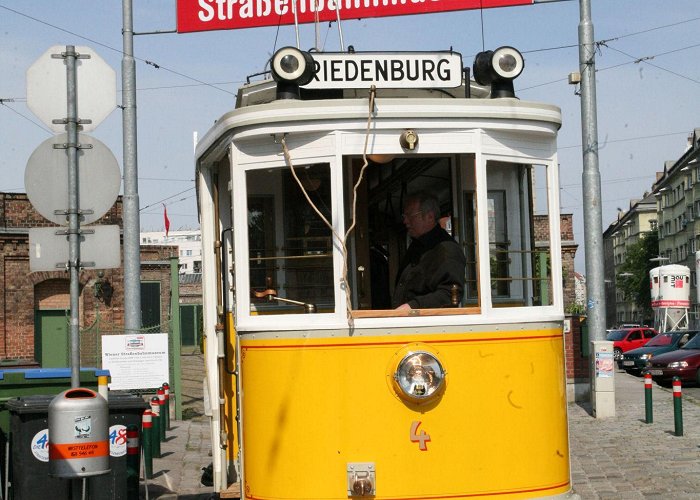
{"x":49,"y":100}
{"x":73,"y":213}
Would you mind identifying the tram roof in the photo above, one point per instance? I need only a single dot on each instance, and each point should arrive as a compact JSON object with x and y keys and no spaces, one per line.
{"x":256,"y":104}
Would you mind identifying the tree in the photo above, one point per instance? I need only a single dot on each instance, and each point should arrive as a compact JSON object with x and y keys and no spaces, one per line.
{"x":638,"y":264}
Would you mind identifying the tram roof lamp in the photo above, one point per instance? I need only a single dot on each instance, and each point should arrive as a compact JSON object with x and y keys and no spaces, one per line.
{"x":499,"y":68}
{"x":291,"y":68}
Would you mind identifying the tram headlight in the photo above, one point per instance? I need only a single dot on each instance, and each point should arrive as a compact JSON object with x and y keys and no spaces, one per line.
{"x":499,"y":68}
{"x":419,"y":375}
{"x":291,"y":65}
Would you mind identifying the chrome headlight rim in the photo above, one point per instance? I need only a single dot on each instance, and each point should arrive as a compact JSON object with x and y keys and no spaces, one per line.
{"x":421,"y":391}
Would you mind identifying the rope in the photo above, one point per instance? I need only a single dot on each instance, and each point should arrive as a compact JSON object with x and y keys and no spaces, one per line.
{"x":342,"y":240}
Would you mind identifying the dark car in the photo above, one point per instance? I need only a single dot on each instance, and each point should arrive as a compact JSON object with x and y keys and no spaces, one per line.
{"x":635,"y":361}
{"x":626,"y":339}
{"x":682,"y":363}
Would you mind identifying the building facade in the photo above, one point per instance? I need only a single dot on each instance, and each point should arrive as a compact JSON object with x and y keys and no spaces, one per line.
{"x":629,"y":228}
{"x":35,"y":306}
{"x":672,"y":209}
{"x":188,"y":242}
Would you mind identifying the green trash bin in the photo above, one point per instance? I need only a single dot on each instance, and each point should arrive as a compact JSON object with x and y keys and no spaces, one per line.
{"x":22,"y":382}
{"x":29,"y":451}
{"x":124,"y":409}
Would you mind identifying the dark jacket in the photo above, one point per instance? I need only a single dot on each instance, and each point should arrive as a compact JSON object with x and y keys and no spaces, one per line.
{"x":432,"y":264}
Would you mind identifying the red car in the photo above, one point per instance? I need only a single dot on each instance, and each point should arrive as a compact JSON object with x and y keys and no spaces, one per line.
{"x":627,"y":339}
{"x":682,"y":363}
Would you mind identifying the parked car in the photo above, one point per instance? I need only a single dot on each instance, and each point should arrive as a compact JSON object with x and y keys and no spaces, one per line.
{"x":682,"y":363}
{"x":635,"y":361}
{"x":629,"y":338}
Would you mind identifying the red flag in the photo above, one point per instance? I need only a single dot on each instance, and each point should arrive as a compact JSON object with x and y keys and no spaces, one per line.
{"x":166,"y":220}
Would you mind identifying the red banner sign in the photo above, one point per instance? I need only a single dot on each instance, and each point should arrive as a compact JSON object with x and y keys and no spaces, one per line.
{"x":208,"y":15}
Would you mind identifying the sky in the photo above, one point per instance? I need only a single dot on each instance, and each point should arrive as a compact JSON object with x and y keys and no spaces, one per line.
{"x":648,"y":84}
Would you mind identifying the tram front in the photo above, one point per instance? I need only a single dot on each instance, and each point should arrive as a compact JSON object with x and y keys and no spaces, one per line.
{"x":318,"y":388}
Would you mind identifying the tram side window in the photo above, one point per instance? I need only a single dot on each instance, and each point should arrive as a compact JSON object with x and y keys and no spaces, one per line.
{"x":380,"y":240}
{"x":519,"y":253}
{"x":289,"y":244}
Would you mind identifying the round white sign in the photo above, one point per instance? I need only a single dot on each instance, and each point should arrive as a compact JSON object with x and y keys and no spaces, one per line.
{"x":46,"y":179}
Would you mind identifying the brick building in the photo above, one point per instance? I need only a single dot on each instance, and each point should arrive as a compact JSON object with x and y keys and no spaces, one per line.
{"x":568,"y":250}
{"x":575,"y":339}
{"x":34,"y":306}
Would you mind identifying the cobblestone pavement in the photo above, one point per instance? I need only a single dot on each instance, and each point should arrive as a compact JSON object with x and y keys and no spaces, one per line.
{"x":177,"y":474}
{"x":623,"y":458}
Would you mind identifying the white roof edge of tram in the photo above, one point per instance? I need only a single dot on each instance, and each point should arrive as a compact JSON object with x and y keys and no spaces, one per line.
{"x":331,"y":110}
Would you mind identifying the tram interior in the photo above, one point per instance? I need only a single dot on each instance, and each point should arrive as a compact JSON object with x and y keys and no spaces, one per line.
{"x":291,"y":246}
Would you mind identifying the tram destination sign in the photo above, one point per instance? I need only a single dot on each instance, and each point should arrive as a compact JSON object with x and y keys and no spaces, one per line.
{"x":208,"y":15}
{"x":342,"y":70}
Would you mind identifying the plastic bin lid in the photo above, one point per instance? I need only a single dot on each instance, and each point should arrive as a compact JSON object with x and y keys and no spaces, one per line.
{"x":30,"y":404}
{"x":126,"y":400}
{"x":46,"y":373}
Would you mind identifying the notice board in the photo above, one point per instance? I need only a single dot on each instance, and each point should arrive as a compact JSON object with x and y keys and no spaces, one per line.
{"x":136,"y":361}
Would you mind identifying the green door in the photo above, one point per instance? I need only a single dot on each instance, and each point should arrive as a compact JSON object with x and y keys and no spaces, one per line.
{"x":190,"y":324}
{"x":150,"y":305}
{"x":52,"y":338}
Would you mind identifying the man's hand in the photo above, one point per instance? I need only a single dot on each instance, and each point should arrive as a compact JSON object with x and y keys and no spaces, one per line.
{"x":404,"y":307}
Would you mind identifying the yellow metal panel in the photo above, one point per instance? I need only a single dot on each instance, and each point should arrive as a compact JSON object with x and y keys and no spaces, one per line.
{"x":313,"y":406}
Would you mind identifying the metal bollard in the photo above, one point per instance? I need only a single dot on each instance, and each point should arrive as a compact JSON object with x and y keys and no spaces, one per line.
{"x":155,"y":409}
{"x":161,"y":403}
{"x":102,"y":387}
{"x":648,"y":407}
{"x":147,"y":423}
{"x":166,"y":389}
{"x":132,"y":462}
{"x":677,"y":406}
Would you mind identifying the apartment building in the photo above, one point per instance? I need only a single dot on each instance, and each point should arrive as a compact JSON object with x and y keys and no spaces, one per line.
{"x":672,"y":209}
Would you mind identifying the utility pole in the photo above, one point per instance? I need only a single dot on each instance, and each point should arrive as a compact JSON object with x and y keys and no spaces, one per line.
{"x":132,"y":227}
{"x":602,"y":362}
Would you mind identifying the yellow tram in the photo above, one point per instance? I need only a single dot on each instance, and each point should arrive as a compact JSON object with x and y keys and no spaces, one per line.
{"x":317,"y":388}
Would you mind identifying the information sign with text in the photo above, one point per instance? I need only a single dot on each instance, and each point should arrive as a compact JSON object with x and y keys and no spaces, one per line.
{"x":208,"y":15}
{"x":386,"y":70}
{"x":136,"y":361}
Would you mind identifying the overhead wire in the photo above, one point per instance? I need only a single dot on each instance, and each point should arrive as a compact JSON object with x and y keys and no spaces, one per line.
{"x":646,"y":60}
{"x":630,"y":139}
{"x":119,"y":51}
{"x":167,"y":198}
{"x":602,"y":43}
{"x":3,"y":103}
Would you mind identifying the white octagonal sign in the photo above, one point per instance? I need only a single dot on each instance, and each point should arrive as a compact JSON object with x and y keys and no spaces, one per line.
{"x":47,"y":94}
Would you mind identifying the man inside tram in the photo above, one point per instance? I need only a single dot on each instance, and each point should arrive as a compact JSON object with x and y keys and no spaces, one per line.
{"x":431,"y":273}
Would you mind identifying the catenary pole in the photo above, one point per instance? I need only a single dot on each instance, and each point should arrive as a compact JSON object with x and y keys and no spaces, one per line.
{"x":592,"y":212}
{"x":132,"y":256}
{"x":602,"y":394}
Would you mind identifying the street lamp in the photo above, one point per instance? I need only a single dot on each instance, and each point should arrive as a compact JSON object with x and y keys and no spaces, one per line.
{"x":659,"y":259}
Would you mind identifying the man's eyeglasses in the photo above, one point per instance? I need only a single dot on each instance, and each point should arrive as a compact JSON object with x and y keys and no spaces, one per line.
{"x":410,"y":216}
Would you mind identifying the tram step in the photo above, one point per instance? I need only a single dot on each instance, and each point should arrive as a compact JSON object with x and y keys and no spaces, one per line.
{"x":233,"y":491}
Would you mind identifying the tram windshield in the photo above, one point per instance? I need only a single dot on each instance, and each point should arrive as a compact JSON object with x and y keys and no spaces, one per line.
{"x":289,"y":240}
{"x":291,"y":244}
